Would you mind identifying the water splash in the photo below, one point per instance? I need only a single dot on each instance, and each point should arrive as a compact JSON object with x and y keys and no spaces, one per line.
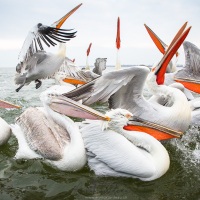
{"x":189,"y":147}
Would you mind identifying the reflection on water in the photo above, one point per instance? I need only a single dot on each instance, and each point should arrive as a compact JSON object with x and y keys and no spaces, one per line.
{"x":33,"y":179}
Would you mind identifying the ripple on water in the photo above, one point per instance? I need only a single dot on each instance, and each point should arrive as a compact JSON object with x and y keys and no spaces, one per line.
{"x":33,"y":179}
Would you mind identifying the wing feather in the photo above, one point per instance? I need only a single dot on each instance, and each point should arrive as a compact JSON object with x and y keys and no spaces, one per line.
{"x":130,"y":80}
{"x":112,"y":154}
{"x":49,"y":35}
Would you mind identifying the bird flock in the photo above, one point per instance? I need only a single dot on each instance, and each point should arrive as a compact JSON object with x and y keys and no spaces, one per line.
{"x":126,"y":141}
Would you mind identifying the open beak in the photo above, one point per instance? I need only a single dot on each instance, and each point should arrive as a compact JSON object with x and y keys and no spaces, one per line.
{"x":157,"y":41}
{"x":157,"y":131}
{"x":66,"y":106}
{"x":4,"y":104}
{"x":172,"y":49}
{"x":74,"y":81}
{"x":60,"y":22}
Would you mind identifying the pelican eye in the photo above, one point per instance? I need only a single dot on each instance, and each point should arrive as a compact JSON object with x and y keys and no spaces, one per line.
{"x":128,"y":116}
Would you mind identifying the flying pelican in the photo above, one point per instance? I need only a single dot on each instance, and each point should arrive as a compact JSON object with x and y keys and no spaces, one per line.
{"x":113,"y":151}
{"x":34,"y":62}
{"x":5,"y":130}
{"x":163,"y":48}
{"x":168,"y":108}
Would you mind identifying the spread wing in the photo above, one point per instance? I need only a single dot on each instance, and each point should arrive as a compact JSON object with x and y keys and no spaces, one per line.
{"x":41,"y":34}
{"x":123,"y":84}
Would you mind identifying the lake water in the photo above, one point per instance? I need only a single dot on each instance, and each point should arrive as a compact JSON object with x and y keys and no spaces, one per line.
{"x":32,"y":179}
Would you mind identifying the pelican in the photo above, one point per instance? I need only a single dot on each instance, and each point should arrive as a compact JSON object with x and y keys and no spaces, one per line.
{"x":168,"y":109}
{"x":70,"y":73}
{"x":189,"y":75}
{"x":5,"y":130}
{"x":187,"y":79}
{"x":163,"y":48}
{"x":113,"y":151}
{"x":34,"y":62}
{"x":44,"y":133}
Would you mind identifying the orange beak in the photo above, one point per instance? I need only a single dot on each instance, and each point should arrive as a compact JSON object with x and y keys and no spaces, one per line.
{"x":172,"y":49}
{"x":192,"y":85}
{"x":118,"y":34}
{"x":155,"y":130}
{"x":74,"y":81}
{"x":60,"y":22}
{"x":4,"y":104}
{"x":88,"y":50}
{"x":157,"y":41}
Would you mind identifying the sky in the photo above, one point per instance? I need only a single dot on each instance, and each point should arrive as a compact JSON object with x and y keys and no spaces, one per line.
{"x":96,"y":22}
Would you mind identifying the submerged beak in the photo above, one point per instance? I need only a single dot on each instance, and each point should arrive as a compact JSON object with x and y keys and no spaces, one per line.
{"x":4,"y":104}
{"x":74,"y":81}
{"x":157,"y":41}
{"x":172,"y":49}
{"x":66,"y":106}
{"x":60,"y":22}
{"x":157,"y":131}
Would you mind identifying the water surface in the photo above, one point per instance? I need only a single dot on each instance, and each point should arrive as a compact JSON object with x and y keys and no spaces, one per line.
{"x":32,"y":179}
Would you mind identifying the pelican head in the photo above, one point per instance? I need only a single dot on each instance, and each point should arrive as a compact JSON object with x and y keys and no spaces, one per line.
{"x":118,"y":118}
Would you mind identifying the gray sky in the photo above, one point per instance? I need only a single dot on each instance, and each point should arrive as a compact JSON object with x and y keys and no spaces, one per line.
{"x":95,"y":21}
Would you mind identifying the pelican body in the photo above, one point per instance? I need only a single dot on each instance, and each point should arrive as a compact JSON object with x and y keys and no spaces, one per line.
{"x":44,"y":133}
{"x":34,"y":63}
{"x":111,"y":150}
{"x":40,"y":66}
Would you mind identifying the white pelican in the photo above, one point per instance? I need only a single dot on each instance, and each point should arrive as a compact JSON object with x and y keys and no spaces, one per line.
{"x":34,"y":62}
{"x":190,"y":73}
{"x":5,"y":130}
{"x":124,"y":88}
{"x":70,"y":73}
{"x":189,"y":77}
{"x":113,"y":151}
{"x":44,"y":133}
